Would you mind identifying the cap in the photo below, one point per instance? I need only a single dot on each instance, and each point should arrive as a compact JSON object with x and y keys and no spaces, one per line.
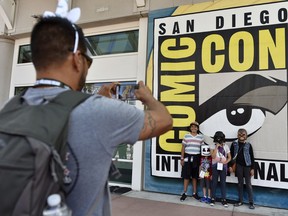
{"x":219,"y":137}
{"x":194,"y":123}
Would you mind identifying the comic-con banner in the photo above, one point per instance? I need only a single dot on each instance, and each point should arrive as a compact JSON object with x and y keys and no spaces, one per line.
{"x":226,"y":69}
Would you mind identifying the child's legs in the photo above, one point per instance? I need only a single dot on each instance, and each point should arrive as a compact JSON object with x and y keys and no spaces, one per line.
{"x":247,"y":177}
{"x":208,"y":186}
{"x":240,"y":176}
{"x":223,"y":182}
{"x":186,"y":175}
{"x":186,"y":183}
{"x":194,"y":185}
{"x":214,"y":180}
{"x":195,"y":176}
{"x":203,"y":186}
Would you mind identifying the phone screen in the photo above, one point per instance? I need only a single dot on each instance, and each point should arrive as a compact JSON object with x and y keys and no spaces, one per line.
{"x":126,"y":92}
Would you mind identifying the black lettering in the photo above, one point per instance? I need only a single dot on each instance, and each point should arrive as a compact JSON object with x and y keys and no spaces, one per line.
{"x":176,"y":29}
{"x":259,"y":170}
{"x":157,"y":162}
{"x":264,"y":17}
{"x":190,"y":26}
{"x":272,"y":172}
{"x":166,"y":163}
{"x":282,"y":173}
{"x":233,"y":20}
{"x":219,"y":22}
{"x":162,"y":27}
{"x":282,"y":15}
{"x":176,"y":162}
{"x":247,"y":19}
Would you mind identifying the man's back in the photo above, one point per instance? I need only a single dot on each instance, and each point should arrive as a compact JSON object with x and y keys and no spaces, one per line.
{"x":96,"y":128}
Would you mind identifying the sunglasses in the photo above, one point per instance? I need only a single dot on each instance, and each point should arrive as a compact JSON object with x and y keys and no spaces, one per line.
{"x":88,"y":58}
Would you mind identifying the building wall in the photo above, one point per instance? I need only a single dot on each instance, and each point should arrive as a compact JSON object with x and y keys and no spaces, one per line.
{"x":103,"y":15}
{"x":114,"y":11}
{"x":7,"y":48}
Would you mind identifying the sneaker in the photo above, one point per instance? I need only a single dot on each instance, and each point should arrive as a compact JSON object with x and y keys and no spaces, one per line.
{"x":183,"y":197}
{"x":237,"y":204}
{"x":224,"y":203}
{"x":251,"y":205}
{"x":195,"y":195}
{"x":203,"y":199}
{"x":212,"y":203}
{"x":208,"y":200}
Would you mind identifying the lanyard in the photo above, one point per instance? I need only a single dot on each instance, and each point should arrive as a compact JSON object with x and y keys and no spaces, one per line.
{"x":51,"y":82}
{"x":218,"y":152}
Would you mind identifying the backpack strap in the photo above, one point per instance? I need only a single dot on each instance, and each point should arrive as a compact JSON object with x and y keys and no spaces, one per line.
{"x":16,"y":114}
{"x":67,"y":100}
{"x":70,"y":99}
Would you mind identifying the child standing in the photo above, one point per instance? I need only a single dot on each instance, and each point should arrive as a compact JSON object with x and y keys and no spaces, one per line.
{"x":242,"y":150}
{"x":190,"y":158}
{"x":220,"y":153}
{"x":205,"y":173}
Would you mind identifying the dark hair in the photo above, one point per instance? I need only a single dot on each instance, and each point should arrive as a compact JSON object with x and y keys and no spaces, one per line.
{"x":219,"y":137}
{"x":52,"y":39}
{"x":242,"y":130}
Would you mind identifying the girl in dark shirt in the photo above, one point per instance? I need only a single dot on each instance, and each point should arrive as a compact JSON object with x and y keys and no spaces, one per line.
{"x":243,"y":152}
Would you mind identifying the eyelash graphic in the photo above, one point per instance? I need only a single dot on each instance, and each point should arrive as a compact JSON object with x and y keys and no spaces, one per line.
{"x":243,"y":104}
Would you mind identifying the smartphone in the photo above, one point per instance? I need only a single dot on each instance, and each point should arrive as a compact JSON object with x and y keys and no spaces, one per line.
{"x":126,"y":92}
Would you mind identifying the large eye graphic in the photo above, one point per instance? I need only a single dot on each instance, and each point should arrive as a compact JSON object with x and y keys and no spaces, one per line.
{"x":230,"y":120}
{"x":242,"y":104}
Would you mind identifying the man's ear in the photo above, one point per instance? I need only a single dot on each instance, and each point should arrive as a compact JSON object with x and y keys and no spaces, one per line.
{"x":77,"y":60}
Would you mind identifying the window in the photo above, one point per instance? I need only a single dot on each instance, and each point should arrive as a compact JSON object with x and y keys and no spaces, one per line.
{"x":20,"y":89}
{"x":106,"y":44}
{"x":24,"y":55}
{"x":115,"y":43}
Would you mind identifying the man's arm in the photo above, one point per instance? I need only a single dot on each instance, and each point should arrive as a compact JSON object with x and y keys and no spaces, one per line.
{"x":157,"y":119}
{"x":182,"y":155}
{"x":215,"y":150}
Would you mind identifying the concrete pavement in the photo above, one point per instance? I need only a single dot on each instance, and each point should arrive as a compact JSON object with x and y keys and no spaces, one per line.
{"x":142,"y":203}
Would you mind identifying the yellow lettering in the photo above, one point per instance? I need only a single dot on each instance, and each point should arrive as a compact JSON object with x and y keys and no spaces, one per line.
{"x":207,"y":54}
{"x":187,"y":48}
{"x":177,"y":122}
{"x":177,"y":82}
{"x":170,"y":147}
{"x":248,"y":51}
{"x":276,"y":48}
{"x":178,"y":66}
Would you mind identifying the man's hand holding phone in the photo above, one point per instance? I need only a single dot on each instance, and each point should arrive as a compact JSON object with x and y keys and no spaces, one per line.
{"x":108,"y":90}
{"x":128,"y":92}
{"x":143,"y":93}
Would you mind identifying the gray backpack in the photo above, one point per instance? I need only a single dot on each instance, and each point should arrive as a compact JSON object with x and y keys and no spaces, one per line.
{"x":32,"y":151}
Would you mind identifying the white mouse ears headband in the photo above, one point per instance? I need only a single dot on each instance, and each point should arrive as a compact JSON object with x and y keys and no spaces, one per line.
{"x":73,"y":16}
{"x":62,"y":11}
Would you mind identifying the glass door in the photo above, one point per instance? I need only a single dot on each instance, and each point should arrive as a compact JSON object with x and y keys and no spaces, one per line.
{"x":123,"y":160}
{"x":123,"y":157}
